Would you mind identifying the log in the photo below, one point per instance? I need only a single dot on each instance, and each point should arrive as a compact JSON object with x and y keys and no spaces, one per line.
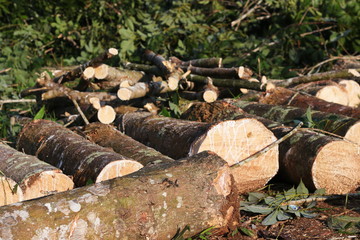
{"x":203,"y":62}
{"x":75,"y":73}
{"x":9,"y":191}
{"x":107,"y":136}
{"x":89,"y":73}
{"x":318,"y":160}
{"x":283,"y":96}
{"x":326,"y":90}
{"x":143,"y":89}
{"x":150,"y":204}
{"x":231,"y":140}
{"x":106,"y":114}
{"x":353,"y":91}
{"x":74,"y":155}
{"x":338,"y":124}
{"x":34,"y":177}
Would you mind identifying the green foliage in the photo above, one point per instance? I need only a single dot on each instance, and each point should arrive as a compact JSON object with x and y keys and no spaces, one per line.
{"x":201,"y":236}
{"x":40,"y":114}
{"x":344,"y":224}
{"x":281,"y":206}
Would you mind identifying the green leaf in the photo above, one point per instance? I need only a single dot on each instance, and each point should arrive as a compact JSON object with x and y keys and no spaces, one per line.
{"x":289,"y":194}
{"x":247,"y":231}
{"x":40,"y":114}
{"x":271,"y":218}
{"x":308,"y":214}
{"x":258,"y":209}
{"x":283,"y":216}
{"x":320,"y":192}
{"x":255,"y":197}
{"x":302,"y":190}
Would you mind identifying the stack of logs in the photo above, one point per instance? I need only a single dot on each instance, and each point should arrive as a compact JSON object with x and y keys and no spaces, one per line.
{"x":164,"y":173}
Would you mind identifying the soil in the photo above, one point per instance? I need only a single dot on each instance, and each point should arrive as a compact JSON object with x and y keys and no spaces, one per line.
{"x":298,"y":228}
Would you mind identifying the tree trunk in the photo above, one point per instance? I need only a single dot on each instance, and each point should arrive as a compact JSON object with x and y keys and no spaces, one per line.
{"x":152,"y":203}
{"x":73,"y":154}
{"x":338,"y":124}
{"x":231,"y":140}
{"x":35,"y":178}
{"x":283,"y":96}
{"x":107,"y":136}
{"x":320,"y":161}
{"x":9,"y":191}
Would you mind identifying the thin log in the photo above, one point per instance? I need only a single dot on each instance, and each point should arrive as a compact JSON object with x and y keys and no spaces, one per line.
{"x":150,"y":69}
{"x":89,"y":73}
{"x":9,"y":191}
{"x":232,"y":83}
{"x":346,"y":127}
{"x":76,"y":73}
{"x":342,"y":73}
{"x":73,"y":154}
{"x":35,"y":178}
{"x":150,"y":204}
{"x":224,"y":73}
{"x":283,"y":96}
{"x":203,"y":62}
{"x":318,"y":160}
{"x":107,"y":136}
{"x":211,"y":93}
{"x":106,"y":114}
{"x":143,"y":89}
{"x":231,"y":140}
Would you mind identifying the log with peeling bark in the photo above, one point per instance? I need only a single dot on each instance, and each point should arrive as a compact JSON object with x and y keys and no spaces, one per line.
{"x":283,"y":96}
{"x":318,"y":160}
{"x":203,"y":62}
{"x":9,"y":191}
{"x":153,"y":203}
{"x":338,"y":124}
{"x":73,"y":154}
{"x":326,"y":90}
{"x":107,"y":136}
{"x":75,"y":73}
{"x":231,"y":140}
{"x":35,"y":178}
{"x":143,"y":89}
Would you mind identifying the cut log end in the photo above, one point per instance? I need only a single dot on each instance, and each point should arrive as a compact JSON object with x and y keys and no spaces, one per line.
{"x":333,"y":94}
{"x":106,"y":114}
{"x":124,"y":94}
{"x":45,"y":183}
{"x":210,"y":96}
{"x":336,"y":168}
{"x":89,"y":73}
{"x":9,"y":191}
{"x":101,"y":71}
{"x":237,"y":140}
{"x":353,"y":133}
{"x":118,"y":169}
{"x":113,"y":51}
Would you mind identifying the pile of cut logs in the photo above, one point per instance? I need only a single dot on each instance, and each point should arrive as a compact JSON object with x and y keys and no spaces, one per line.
{"x":138,"y":175}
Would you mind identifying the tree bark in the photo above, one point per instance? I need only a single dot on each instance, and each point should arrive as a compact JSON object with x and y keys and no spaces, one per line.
{"x":231,"y":140}
{"x":283,"y":96}
{"x":150,"y":204}
{"x":73,"y":154}
{"x":338,"y":124}
{"x":9,"y":191}
{"x":35,"y":178}
{"x":107,"y":136}
{"x":318,"y":160}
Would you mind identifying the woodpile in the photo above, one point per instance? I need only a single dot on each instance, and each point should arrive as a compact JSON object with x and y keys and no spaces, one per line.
{"x":163,"y":173}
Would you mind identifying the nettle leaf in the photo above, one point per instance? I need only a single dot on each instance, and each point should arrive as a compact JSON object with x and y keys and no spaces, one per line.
{"x":258,"y":209}
{"x":289,"y":194}
{"x":320,"y":191}
{"x":302,"y":190}
{"x":256,"y":197}
{"x":282,"y":216}
{"x":271,"y":218}
{"x":269,"y":200}
{"x":308,"y":214}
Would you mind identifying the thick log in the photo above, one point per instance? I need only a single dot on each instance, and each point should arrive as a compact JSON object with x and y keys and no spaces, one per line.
{"x":75,"y":73}
{"x":231,"y":140}
{"x":9,"y":191}
{"x":283,"y":96}
{"x":353,"y":92}
{"x":318,"y":160}
{"x":143,"y":89}
{"x":203,"y":62}
{"x":338,"y":124}
{"x":107,"y":136}
{"x":73,"y":154}
{"x":326,"y":90}
{"x":150,"y":204}
{"x":35,"y":178}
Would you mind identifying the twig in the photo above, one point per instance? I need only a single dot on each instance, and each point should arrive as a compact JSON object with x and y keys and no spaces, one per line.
{"x":86,"y":121}
{"x":332,"y":134}
{"x":5,"y":70}
{"x":2,"y":102}
{"x":268,"y":147}
{"x":319,"y":199}
{"x":333,"y":59}
{"x":316,"y":31}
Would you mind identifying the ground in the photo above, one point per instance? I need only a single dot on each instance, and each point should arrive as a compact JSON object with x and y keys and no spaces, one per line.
{"x":299,"y":228}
